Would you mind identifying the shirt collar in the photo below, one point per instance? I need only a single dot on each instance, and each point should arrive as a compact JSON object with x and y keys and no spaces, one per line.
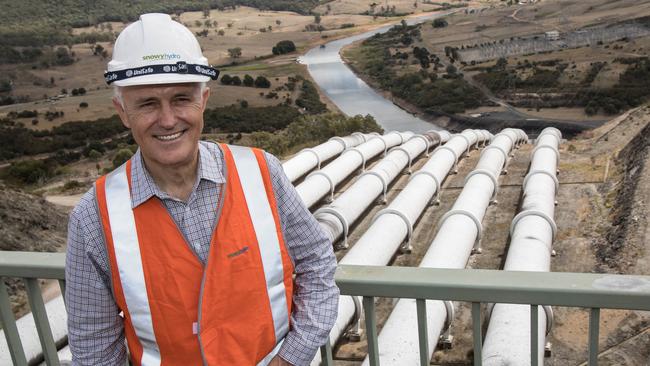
{"x":143,"y":186}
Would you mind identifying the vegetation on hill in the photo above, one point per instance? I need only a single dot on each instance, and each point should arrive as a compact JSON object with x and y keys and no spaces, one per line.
{"x":309,"y":130}
{"x":388,"y":59}
{"x":630,"y":91}
{"x":37,"y":23}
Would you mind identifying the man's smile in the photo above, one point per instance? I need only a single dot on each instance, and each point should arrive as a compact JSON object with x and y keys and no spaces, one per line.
{"x":170,"y":137}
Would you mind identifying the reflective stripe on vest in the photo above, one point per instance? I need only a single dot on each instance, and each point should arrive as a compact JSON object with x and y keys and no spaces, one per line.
{"x":267,"y":237}
{"x":129,"y":263}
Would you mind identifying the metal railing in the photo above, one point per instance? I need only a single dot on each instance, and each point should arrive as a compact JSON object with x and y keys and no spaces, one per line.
{"x":585,"y":290}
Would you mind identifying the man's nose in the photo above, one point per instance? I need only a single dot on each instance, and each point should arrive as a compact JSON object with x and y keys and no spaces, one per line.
{"x":167,"y":117}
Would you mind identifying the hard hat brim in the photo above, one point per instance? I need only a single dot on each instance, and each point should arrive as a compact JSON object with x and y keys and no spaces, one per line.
{"x":162,"y":79}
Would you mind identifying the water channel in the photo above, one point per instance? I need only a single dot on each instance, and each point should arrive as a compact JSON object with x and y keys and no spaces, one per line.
{"x":351,"y":94}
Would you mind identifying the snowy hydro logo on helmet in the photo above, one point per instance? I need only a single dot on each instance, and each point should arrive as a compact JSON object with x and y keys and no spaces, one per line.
{"x":161,"y":56}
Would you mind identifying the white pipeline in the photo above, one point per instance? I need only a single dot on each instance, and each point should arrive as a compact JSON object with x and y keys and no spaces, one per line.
{"x":323,"y":182}
{"x":392,"y":226}
{"x":339,"y":216}
{"x":459,"y":233}
{"x":532,"y":231}
{"x":310,"y":158}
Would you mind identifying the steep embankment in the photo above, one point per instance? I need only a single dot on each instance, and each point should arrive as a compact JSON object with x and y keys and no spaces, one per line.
{"x":29,"y":223}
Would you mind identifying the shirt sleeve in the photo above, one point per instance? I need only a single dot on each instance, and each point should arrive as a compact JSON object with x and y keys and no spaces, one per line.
{"x":95,"y":328}
{"x":315,"y":297}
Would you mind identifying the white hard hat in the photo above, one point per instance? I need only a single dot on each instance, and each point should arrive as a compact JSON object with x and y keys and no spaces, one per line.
{"x":157,"y":50}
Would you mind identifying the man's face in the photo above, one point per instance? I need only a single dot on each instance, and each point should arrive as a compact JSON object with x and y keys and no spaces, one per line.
{"x":166,"y":121}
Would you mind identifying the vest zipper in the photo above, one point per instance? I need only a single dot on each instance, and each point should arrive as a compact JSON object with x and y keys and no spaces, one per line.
{"x":207,"y":261}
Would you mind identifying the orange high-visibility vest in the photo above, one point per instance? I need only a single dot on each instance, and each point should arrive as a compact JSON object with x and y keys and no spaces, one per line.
{"x":233,"y":311}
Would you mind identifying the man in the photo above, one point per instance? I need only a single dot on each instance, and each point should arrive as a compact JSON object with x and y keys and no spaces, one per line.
{"x":190,"y":249}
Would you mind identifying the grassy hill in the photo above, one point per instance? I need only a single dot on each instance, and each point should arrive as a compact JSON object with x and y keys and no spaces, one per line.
{"x":37,"y":23}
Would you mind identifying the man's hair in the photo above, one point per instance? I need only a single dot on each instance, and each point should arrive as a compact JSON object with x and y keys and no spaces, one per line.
{"x":117,"y":91}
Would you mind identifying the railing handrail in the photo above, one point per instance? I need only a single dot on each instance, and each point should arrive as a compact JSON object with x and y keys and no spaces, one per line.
{"x":586,"y":290}
{"x":32,"y":265}
{"x":589,"y":290}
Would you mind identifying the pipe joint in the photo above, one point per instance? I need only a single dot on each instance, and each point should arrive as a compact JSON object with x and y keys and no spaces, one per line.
{"x":477,"y":222}
{"x":382,"y":141}
{"x":384,"y":184}
{"x":473,"y":132}
{"x":533,"y":172}
{"x":490,"y":175}
{"x":313,"y":152}
{"x":453,"y":153}
{"x":468,"y":142}
{"x":339,"y":140}
{"x":557,"y":153}
{"x":503,"y":152}
{"x":362,"y":136}
{"x":537,"y":213}
{"x":344,"y":222}
{"x":408,"y":156}
{"x":512,"y":140}
{"x":401,"y":138}
{"x":329,"y":180}
{"x":363,"y":158}
{"x":436,"y":194}
{"x":401,"y":215}
{"x":427,"y":143}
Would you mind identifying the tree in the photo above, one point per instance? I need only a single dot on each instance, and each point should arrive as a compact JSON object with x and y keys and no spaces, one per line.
{"x":317,"y":18}
{"x":451,"y":69}
{"x":221,"y":32}
{"x":283,"y":47}
{"x":234,"y":52}
{"x":439,"y":23}
{"x":236,"y":80}
{"x":501,"y":64}
{"x":262,"y":82}
{"x":248,"y":80}
{"x":226,"y":79}
{"x":121,"y":157}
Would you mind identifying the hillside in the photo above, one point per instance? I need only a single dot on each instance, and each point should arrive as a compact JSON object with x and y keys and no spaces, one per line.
{"x":595,"y":69}
{"x":35,"y":23}
{"x":29,"y":223}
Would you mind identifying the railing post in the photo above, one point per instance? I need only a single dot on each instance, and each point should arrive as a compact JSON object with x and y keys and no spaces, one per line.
{"x":534,"y":335}
{"x":423,"y":334}
{"x":42,"y":323}
{"x":476,"y":333}
{"x":594,"y":324}
{"x":371,"y":330}
{"x":326,"y":354}
{"x":9,"y":326}
{"x":62,"y":287}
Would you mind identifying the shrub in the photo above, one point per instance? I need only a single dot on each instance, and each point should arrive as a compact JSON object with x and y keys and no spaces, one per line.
{"x":262,"y":82}
{"x":283,"y":47}
{"x":248,"y":80}
{"x":439,"y":23}
{"x":83,"y":105}
{"x":121,"y":157}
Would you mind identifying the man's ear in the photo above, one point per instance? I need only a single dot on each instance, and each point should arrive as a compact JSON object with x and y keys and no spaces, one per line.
{"x":121,"y":112}
{"x":205,"y":95}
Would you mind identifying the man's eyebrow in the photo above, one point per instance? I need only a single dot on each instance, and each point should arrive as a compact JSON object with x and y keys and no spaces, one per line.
{"x":143,"y":100}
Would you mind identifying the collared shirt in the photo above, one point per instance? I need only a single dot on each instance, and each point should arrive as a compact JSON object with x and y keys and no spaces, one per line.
{"x":95,"y":329}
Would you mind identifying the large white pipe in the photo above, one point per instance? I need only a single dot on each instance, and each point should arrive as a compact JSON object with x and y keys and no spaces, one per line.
{"x":390,"y":229}
{"x":310,"y":158}
{"x":458,"y":234}
{"x":57,"y":317}
{"x":323,"y":182}
{"x":337,"y":217}
{"x":507,"y":341}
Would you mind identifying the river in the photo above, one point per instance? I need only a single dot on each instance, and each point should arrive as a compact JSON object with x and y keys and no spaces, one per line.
{"x":351,"y":94}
